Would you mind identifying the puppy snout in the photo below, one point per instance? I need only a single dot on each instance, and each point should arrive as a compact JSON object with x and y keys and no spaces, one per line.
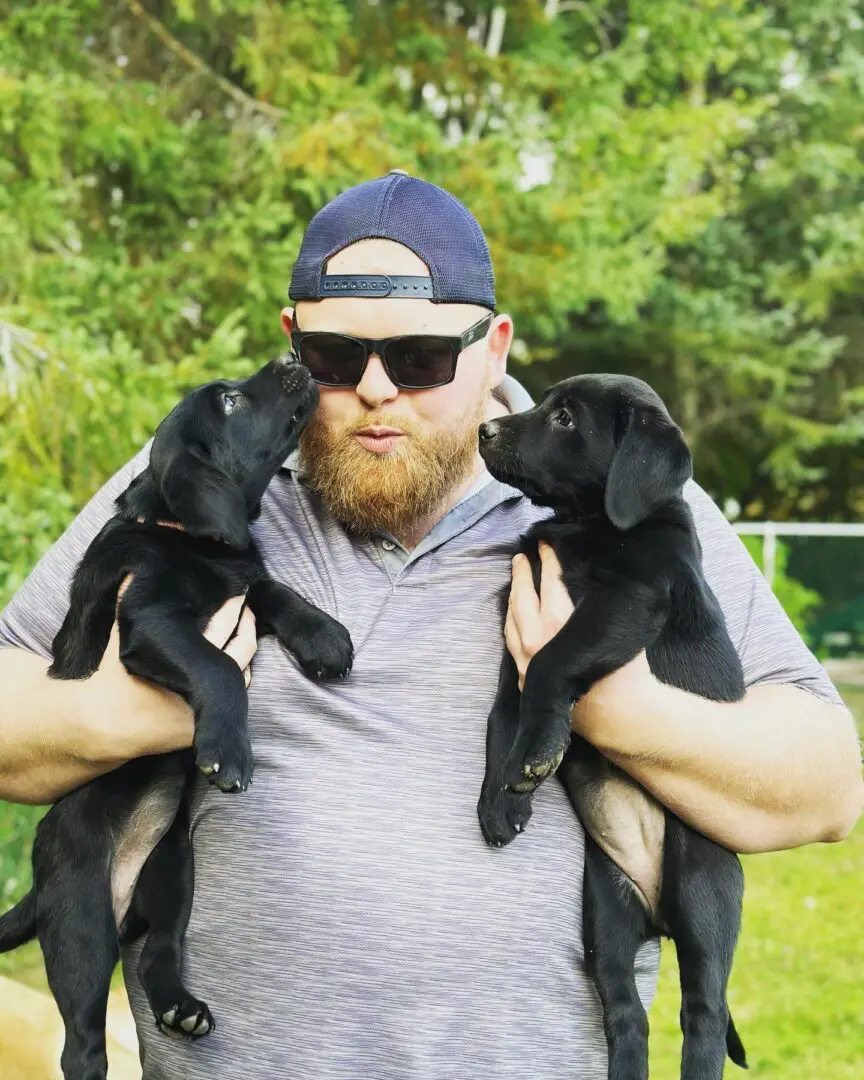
{"x":295,"y":377}
{"x":488,"y":431}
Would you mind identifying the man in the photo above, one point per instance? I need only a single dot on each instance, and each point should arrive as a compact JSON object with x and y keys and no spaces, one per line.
{"x":349,"y":920}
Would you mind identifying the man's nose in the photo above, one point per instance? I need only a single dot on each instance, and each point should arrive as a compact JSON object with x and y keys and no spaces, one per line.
{"x":375,"y":388}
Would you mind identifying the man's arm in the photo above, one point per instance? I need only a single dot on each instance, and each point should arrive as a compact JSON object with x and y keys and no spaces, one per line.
{"x":779,"y":769}
{"x":55,"y":735}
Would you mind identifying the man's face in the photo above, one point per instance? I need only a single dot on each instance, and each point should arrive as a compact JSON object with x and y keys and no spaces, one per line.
{"x":382,"y":457}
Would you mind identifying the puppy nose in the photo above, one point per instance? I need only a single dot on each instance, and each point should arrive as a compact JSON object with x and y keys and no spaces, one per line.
{"x":488,"y":431}
{"x":295,"y":377}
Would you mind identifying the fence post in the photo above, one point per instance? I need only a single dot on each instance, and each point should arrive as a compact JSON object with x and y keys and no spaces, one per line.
{"x":769,"y":553}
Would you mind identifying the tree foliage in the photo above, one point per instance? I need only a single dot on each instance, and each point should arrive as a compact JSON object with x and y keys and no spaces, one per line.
{"x":670,"y":187}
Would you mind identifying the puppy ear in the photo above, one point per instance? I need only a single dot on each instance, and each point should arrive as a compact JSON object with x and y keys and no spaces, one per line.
{"x":651,"y":465}
{"x":141,"y":498}
{"x":205,"y":500}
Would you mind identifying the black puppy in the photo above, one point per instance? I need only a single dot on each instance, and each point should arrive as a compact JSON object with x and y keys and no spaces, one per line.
{"x":113,"y":860}
{"x":602,"y":452}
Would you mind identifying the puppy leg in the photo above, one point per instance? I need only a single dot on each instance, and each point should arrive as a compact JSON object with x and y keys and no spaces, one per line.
{"x":321,"y":644}
{"x":80,"y":642}
{"x":163,"y":900}
{"x":614,"y":925}
{"x":78,"y":935}
{"x":703,"y":892}
{"x":161,"y":644}
{"x":606,"y":630}
{"x":503,"y":813}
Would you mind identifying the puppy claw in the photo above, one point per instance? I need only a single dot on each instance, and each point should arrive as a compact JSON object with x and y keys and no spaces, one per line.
{"x":232,"y":785}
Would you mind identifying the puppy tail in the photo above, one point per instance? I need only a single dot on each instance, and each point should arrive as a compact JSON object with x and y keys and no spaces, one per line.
{"x":734,"y":1046}
{"x":18,"y":925}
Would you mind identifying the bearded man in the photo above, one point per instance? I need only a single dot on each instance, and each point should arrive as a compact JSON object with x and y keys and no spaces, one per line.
{"x":349,"y":921}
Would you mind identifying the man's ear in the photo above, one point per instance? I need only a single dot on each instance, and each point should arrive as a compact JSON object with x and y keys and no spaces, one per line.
{"x":205,"y":500}
{"x":286,"y":318}
{"x":651,"y":465}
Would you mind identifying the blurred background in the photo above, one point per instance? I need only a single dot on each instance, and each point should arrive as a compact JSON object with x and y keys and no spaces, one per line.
{"x":670,"y":188}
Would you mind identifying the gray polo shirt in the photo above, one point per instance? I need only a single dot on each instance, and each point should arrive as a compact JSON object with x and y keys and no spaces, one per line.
{"x":349,"y":921}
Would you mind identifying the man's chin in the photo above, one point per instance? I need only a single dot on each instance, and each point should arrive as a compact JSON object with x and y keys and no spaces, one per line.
{"x":398,"y":491}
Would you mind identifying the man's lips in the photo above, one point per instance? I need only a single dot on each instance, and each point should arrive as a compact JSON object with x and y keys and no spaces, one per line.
{"x":380,"y":440}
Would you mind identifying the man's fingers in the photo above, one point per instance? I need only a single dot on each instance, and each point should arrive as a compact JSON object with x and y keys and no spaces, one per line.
{"x":242,"y":647}
{"x":554,"y":597}
{"x":224,"y":622}
{"x":511,"y":636}
{"x":124,"y":585}
{"x":524,"y":602}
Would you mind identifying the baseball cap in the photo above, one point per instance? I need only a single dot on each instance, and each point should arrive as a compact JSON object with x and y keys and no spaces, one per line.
{"x":423,"y":217}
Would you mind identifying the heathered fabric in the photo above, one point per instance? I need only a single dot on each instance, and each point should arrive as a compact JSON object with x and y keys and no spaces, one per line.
{"x":349,"y":921}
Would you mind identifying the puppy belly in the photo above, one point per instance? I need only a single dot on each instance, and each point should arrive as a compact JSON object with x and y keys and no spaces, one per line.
{"x":140,"y":834}
{"x":626,"y":822}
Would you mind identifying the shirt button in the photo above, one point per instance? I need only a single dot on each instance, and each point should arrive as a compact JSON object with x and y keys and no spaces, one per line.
{"x":388,"y":545}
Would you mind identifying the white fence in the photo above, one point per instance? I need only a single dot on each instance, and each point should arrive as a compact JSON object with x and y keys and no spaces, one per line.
{"x":770,"y":530}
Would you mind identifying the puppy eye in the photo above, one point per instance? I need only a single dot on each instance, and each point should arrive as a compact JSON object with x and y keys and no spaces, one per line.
{"x":563,"y":418}
{"x":229,"y":401}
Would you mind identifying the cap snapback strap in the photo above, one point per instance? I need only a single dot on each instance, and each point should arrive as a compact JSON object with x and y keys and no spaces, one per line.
{"x":375,"y":285}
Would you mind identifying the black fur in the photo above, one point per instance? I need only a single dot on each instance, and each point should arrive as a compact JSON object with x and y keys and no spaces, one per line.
{"x":211,"y":461}
{"x":602,"y":452}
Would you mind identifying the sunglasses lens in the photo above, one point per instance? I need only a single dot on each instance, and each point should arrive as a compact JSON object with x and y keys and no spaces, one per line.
{"x":332,"y":359}
{"x":417,"y":362}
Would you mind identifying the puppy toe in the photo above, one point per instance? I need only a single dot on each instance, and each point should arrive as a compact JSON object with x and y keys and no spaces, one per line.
{"x":189,"y":1019}
{"x":503,"y":815}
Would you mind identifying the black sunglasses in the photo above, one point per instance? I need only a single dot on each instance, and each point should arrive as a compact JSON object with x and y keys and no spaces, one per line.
{"x":412,"y":362}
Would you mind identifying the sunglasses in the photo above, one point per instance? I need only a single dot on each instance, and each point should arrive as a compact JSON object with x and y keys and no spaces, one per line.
{"x":412,"y":362}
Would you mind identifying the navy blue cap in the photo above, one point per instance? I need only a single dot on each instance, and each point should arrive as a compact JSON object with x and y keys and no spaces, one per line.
{"x":421,"y":216}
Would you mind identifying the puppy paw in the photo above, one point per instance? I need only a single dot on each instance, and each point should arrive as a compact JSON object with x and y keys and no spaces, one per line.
{"x":190,"y":1019}
{"x":324,"y":650}
{"x":537,"y":754}
{"x":535,"y":772}
{"x":503,"y":815}
{"x":227,"y":765}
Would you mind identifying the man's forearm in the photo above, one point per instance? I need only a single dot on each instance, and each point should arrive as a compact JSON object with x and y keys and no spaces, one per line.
{"x":779,"y":769}
{"x":51,"y":731}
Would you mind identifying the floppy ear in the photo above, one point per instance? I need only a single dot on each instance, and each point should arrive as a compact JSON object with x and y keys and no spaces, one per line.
{"x":651,"y":465}
{"x":205,"y":500}
{"x":141,"y":498}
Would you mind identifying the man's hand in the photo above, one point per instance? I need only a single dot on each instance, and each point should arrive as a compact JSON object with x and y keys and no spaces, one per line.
{"x":146,"y":718}
{"x":534,"y":619}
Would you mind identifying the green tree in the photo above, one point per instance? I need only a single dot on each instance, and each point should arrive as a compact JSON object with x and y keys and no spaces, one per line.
{"x":670,"y":188}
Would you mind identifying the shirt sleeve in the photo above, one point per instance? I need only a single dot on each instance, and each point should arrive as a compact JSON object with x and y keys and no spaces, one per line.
{"x":771,"y":649}
{"x":36,"y":612}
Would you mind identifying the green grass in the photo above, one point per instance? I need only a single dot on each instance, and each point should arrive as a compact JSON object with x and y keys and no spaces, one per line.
{"x":797,"y":990}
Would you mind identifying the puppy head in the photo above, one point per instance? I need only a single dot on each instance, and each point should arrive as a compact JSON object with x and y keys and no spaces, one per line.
{"x":594,"y":443}
{"x":215,"y":453}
